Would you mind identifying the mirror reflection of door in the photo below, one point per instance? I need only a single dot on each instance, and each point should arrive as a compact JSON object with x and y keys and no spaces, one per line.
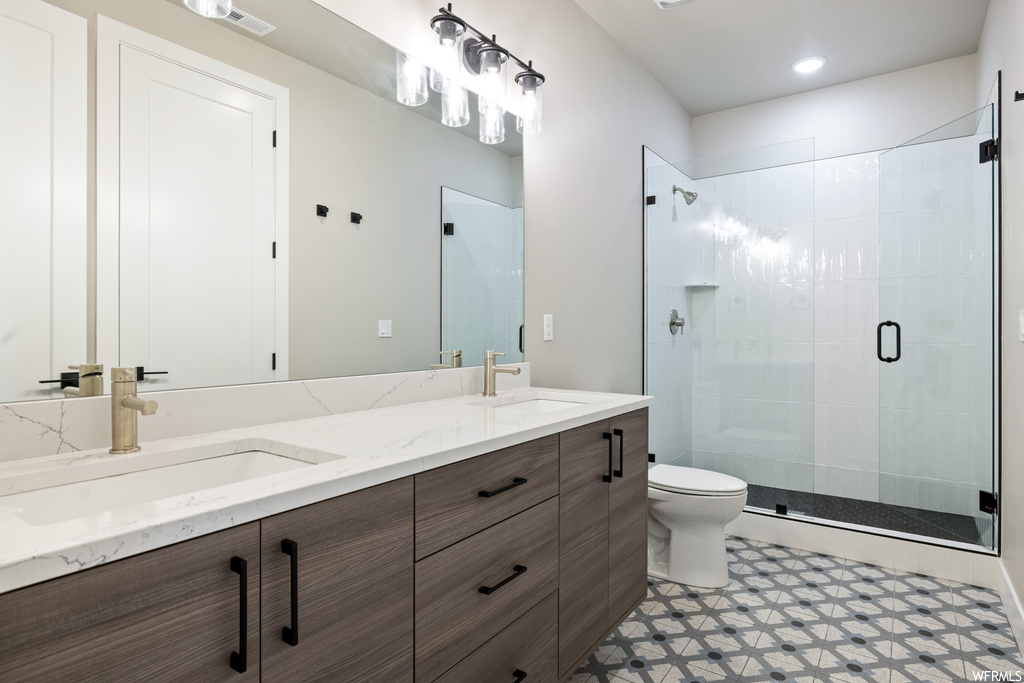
{"x":481,"y":278}
{"x":42,"y":197}
{"x":198,"y":223}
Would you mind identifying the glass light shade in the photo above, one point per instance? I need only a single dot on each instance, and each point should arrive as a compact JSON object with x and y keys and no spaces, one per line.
{"x":532,"y":104}
{"x":492,"y":78}
{"x":412,"y":81}
{"x":492,"y":126}
{"x":455,"y":106}
{"x":450,"y":34}
{"x":212,"y":9}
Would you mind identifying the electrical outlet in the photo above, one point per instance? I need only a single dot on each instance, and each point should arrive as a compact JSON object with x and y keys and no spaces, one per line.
{"x":549,"y":327}
{"x":384,"y":329}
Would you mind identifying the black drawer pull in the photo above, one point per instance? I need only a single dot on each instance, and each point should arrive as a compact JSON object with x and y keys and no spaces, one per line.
{"x":520,"y":676}
{"x":238,"y":659}
{"x":611,"y":458}
{"x":518,"y":569}
{"x":518,"y":481}
{"x":290,"y":634}
{"x":618,"y":433}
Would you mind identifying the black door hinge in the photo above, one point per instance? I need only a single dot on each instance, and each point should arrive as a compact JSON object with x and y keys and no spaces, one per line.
{"x":275,"y":138}
{"x":273,"y":250}
{"x":988,"y":151}
{"x":652,"y":199}
{"x":988,"y":502}
{"x":449,"y":228}
{"x":273,"y":361}
{"x":650,"y":457}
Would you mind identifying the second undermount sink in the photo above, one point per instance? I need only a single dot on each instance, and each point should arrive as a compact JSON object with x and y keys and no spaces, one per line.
{"x":150,"y":479}
{"x":533,"y":402}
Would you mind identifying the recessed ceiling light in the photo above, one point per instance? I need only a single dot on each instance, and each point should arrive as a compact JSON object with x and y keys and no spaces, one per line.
{"x":809,"y":64}
{"x":671,"y":4}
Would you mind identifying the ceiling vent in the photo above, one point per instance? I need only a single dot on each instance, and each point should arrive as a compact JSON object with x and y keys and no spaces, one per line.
{"x":671,"y":4}
{"x":249,"y":22}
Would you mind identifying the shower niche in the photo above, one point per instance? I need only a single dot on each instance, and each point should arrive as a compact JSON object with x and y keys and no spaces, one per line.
{"x":793,"y":275}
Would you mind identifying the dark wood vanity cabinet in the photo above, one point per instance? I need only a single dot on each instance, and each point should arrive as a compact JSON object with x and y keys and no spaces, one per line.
{"x":173,"y":614}
{"x":510,"y":566}
{"x":603,"y":531}
{"x":343,"y":570}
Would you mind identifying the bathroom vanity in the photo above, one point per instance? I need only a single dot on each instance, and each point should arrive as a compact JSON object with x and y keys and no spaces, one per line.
{"x":456,"y":540}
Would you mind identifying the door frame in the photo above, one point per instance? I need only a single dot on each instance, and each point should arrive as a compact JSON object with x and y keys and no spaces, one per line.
{"x":68,"y":331}
{"x":110,"y":36}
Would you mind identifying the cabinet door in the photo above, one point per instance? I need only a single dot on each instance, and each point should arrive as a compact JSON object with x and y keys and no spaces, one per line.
{"x":583,"y":537}
{"x":167,"y":615}
{"x":627,"y":516}
{"x":355,"y":588}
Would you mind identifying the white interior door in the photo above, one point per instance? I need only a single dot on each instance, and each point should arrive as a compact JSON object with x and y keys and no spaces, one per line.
{"x":197,"y":225}
{"x":42,"y":197}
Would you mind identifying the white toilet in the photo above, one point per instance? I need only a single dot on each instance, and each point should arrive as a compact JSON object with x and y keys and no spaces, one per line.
{"x":687,"y":513}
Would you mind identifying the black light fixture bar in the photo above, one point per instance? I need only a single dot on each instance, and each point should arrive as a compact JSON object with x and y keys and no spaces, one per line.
{"x":483,"y":38}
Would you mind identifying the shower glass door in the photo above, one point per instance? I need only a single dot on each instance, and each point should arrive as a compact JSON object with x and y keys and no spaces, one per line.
{"x":936,"y":337}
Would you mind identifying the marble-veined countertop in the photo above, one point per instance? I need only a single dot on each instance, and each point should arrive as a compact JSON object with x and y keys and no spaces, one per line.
{"x":351,"y":451}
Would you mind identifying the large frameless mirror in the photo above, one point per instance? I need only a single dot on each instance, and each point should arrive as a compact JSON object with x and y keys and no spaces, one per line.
{"x":260,"y":204}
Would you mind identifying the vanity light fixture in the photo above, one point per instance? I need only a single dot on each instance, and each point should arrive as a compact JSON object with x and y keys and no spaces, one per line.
{"x":466,"y":50}
{"x":211,"y":9}
{"x":809,"y":64}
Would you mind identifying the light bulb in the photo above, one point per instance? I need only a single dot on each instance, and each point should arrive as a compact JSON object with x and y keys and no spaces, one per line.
{"x":450,"y":33}
{"x":412,"y":80}
{"x":492,"y":125}
{"x":532,"y":103}
{"x":455,"y":106}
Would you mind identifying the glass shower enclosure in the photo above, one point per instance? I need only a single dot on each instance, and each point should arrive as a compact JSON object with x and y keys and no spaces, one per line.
{"x":826,"y":330}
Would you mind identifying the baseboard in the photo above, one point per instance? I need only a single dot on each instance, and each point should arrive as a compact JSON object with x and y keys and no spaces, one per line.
{"x":973,"y":568}
{"x":1011,"y":603}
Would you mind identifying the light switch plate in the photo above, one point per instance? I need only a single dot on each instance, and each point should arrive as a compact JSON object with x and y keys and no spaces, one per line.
{"x":549,"y":327}
{"x":384,"y":329}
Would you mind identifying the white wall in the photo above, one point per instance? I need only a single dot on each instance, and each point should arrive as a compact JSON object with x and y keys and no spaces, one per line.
{"x":583,"y":194}
{"x":1002,"y":48}
{"x":871,"y":114}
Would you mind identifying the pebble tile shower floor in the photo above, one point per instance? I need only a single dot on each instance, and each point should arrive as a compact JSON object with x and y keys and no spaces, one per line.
{"x":794,"y":615}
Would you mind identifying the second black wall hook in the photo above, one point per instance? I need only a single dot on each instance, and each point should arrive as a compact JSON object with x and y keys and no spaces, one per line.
{"x":321,"y":210}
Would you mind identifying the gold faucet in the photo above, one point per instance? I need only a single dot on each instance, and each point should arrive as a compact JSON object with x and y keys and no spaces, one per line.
{"x":90,"y":381}
{"x":490,"y":370}
{"x":456,"y":360}
{"x":125,"y":406}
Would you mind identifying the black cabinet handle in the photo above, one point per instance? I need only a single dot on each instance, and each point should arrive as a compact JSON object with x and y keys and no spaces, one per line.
{"x":611,"y":458}
{"x":518,"y":481}
{"x":290,"y":634}
{"x":618,"y":433}
{"x":520,"y":676}
{"x":238,"y":659}
{"x":519,"y":571}
{"x":890,"y":359}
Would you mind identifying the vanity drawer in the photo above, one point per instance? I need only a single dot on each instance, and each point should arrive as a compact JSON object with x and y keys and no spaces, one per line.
{"x":453,"y":616}
{"x":529,"y":646}
{"x":449,"y":506}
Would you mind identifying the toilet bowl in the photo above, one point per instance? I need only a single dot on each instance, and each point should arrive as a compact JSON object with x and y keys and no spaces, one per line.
{"x":687,"y":512}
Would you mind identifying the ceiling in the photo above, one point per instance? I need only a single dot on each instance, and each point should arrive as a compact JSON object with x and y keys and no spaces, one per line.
{"x":718,"y":54}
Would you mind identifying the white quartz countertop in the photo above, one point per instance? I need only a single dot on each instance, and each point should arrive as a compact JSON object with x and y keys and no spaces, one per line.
{"x":351,"y":451}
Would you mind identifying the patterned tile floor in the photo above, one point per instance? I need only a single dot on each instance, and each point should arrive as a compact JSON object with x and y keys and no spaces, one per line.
{"x":793,"y":615}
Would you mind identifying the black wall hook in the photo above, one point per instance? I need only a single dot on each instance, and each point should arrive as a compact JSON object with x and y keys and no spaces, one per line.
{"x":1017,"y":96}
{"x":356,"y":217}
{"x":321,"y":210}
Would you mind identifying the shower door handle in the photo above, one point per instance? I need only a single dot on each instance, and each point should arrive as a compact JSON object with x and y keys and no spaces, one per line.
{"x":889,"y":359}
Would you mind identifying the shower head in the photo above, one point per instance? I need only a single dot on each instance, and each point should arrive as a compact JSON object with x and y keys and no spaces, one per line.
{"x":690,"y":197}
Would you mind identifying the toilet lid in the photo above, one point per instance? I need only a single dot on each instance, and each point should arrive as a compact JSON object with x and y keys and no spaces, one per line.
{"x":693,"y":481}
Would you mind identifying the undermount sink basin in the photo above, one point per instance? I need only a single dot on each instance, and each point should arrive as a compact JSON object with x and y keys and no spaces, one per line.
{"x":532,"y":402}
{"x":107,"y":485}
